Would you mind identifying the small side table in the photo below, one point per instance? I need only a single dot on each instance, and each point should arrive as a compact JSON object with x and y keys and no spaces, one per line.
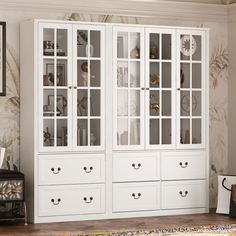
{"x":12,"y":190}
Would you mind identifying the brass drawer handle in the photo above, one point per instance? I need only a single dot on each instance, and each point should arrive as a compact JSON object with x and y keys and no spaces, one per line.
{"x":56,"y":172}
{"x":183,"y":195}
{"x":88,"y":170}
{"x":185,"y":164}
{"x":136,"y":197}
{"x":136,"y":167}
{"x":54,"y":202}
{"x":88,"y":200}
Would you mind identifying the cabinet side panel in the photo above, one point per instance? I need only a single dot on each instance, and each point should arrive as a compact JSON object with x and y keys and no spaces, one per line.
{"x":27,"y":128}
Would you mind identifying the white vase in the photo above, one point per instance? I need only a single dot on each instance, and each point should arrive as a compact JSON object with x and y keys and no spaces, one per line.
{"x":89,"y":50}
{"x":2,"y":154}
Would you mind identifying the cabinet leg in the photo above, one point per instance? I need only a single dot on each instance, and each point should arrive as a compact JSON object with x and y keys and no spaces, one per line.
{"x":25,"y":214}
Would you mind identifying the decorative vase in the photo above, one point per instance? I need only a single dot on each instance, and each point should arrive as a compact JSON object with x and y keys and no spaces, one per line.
{"x":2,"y":153}
{"x":89,"y":50}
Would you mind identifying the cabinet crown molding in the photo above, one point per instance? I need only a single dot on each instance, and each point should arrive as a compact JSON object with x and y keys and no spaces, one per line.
{"x":153,"y":8}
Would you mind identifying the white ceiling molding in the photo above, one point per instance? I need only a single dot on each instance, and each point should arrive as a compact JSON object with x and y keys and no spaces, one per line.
{"x":148,"y":8}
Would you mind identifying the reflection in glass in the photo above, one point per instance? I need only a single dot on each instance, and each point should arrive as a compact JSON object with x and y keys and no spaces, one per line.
{"x":154,"y":79}
{"x":48,"y":42}
{"x":95,"y":132}
{"x":134,"y":74}
{"x":62,"y":137}
{"x":196,"y":75}
{"x":122,"y":45}
{"x":95,"y":41}
{"x":166,"y":75}
{"x":185,"y":75}
{"x":166,"y":103}
{"x":62,"y":102}
{"x":61,"y":78}
{"x":185,"y":131}
{"x":61,"y":42}
{"x":196,"y":103}
{"x":134,"y":131}
{"x":95,"y":73}
{"x":197,"y":55}
{"x":154,"y":46}
{"x":122,"y":132}
{"x":134,"y":103}
{"x":154,"y":131}
{"x":82,"y":42}
{"x":196,"y":129}
{"x":166,"y":131}
{"x":122,"y":74}
{"x":82,"y":132}
{"x":48,"y":72}
{"x":48,"y":102}
{"x":135,"y":45}
{"x":185,"y":103}
{"x":122,"y":103}
{"x":82,"y":73}
{"x":48,"y":132}
{"x":82,"y":102}
{"x":95,"y":105}
{"x":154,"y":103}
{"x":166,"y":46}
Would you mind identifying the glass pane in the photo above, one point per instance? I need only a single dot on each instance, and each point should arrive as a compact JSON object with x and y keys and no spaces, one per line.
{"x":62,"y":137}
{"x":196,"y":103}
{"x":82,"y":132}
{"x":185,"y":75}
{"x":48,"y":102}
{"x":196,"y":75}
{"x":95,"y":74}
{"x":95,"y":102}
{"x":166,"y":75}
{"x":82,"y":102}
{"x":62,"y":102}
{"x":82,"y":73}
{"x":166,"y":46}
{"x":122,"y":74}
{"x":135,"y":103}
{"x":197,"y":47}
{"x":95,"y":44}
{"x":196,"y":123}
{"x":185,"y":131}
{"x":122,"y":45}
{"x":185,"y":103}
{"x":82,"y":42}
{"x":122,"y":103}
{"x":134,"y":74}
{"x":154,"y":46}
{"x":48,"y":132}
{"x":48,"y":42}
{"x":154,"y":131}
{"x":95,"y":132}
{"x":61,"y":42}
{"x":135,"y":131}
{"x":48,"y":72}
{"x":122,"y":131}
{"x":134,"y":45}
{"x":166,"y":103}
{"x":154,"y":75}
{"x":185,"y":47}
{"x":154,"y":103}
{"x":61,"y":73}
{"x":166,"y":131}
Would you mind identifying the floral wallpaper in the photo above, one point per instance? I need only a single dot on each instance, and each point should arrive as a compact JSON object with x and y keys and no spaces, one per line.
{"x":9,"y":105}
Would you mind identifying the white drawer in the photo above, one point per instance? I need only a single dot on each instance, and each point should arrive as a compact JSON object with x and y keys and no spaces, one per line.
{"x":183,"y":194}
{"x":71,"y":169}
{"x":183,"y":165}
{"x":71,"y":199}
{"x":136,"y":196}
{"x":136,"y":167}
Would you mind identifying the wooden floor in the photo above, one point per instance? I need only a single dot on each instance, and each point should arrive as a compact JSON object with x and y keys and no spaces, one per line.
{"x":89,"y":227}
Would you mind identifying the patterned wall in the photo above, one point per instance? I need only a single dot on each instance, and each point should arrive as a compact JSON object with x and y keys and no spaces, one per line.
{"x":9,"y":105}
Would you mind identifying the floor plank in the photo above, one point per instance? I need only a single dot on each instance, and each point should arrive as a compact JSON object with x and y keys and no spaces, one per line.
{"x":88,"y":227}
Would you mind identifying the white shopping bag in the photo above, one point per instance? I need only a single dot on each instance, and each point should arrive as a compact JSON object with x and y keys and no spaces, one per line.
{"x":224,"y":186}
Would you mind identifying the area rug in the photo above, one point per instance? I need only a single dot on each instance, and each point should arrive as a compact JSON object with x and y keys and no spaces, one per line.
{"x":212,"y":230}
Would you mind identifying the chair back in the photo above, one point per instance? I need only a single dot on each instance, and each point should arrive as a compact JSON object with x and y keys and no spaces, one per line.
{"x":2,"y":154}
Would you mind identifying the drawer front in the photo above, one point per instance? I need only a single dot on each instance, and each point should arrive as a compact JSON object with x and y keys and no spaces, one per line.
{"x":136,"y":167}
{"x":71,"y":199}
{"x":136,"y":196}
{"x":183,"y":165}
{"x":71,"y":169}
{"x":183,"y":194}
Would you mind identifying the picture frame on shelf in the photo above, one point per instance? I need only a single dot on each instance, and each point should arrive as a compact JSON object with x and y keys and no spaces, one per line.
{"x":50,"y":73}
{"x":2,"y":58}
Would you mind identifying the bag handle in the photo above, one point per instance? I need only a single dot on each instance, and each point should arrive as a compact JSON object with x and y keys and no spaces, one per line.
{"x":223,"y":184}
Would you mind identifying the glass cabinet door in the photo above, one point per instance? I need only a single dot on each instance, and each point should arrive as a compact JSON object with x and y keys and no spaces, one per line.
{"x":55,"y":86}
{"x":89,"y":87}
{"x":128,"y":109}
{"x":190,"y":88}
{"x":159,"y":88}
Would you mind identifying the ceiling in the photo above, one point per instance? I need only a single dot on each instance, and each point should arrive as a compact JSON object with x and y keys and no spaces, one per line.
{"x":205,"y":1}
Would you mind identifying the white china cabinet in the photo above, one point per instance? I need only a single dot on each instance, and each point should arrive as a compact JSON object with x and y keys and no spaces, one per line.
{"x":114,"y":120}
